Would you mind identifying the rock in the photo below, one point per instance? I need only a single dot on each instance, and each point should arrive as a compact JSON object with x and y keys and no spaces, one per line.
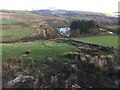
{"x":74,"y":68}
{"x":102,"y":57}
{"x":74,"y":87}
{"x":66,"y":84}
{"x":21,"y":82}
{"x":109,"y":56}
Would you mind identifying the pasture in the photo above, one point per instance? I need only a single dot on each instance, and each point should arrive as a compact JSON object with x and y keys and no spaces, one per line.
{"x":105,"y":40}
{"x":16,"y":34}
{"x":113,"y":27}
{"x":39,"y":50}
{"x":15,"y":22}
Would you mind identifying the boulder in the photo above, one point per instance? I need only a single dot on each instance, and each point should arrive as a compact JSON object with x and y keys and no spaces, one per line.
{"x":21,"y":82}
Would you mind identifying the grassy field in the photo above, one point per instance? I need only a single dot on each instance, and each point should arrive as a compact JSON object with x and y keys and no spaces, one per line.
{"x":16,"y":34}
{"x":15,"y":22}
{"x":114,"y":27}
{"x":106,"y":40}
{"x":39,"y":50}
{"x":9,"y":21}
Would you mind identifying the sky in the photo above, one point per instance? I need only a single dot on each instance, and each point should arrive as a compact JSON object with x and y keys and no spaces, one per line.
{"x":104,"y":6}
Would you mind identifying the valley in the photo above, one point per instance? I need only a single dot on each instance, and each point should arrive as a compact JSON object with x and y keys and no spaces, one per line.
{"x":45,"y":50}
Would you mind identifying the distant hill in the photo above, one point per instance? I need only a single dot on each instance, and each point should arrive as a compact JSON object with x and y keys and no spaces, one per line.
{"x":100,"y":17}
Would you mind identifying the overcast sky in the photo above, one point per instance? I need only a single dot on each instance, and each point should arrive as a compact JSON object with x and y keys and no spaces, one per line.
{"x":105,"y":6}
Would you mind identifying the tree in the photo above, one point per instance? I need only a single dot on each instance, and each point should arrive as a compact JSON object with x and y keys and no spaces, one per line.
{"x":82,"y":25}
{"x":73,"y":25}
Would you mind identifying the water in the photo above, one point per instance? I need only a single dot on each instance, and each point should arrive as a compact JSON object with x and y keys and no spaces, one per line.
{"x":106,"y":31}
{"x":64,"y":31}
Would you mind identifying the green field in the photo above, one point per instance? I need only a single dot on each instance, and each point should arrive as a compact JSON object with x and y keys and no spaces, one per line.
{"x":114,"y":27}
{"x":39,"y":50}
{"x":9,"y":21}
{"x":16,"y":34}
{"x":15,"y":22}
{"x":106,"y":40}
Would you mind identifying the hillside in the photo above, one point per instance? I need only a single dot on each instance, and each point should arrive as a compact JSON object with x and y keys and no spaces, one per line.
{"x":100,"y":17}
{"x":46,"y":22}
{"x":36,"y":55}
{"x":43,"y":26}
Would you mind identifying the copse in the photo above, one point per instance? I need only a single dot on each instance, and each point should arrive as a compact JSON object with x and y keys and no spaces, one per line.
{"x":82,"y":26}
{"x":74,"y":25}
{"x":118,"y":21}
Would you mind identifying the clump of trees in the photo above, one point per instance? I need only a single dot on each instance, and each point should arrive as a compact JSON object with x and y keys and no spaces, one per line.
{"x":82,"y":26}
{"x":118,"y":21}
